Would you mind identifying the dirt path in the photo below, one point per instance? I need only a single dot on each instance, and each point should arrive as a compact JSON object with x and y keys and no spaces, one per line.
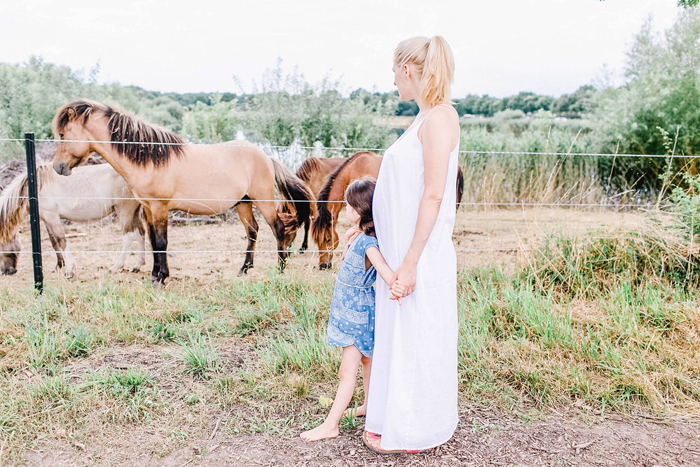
{"x":483,"y":438}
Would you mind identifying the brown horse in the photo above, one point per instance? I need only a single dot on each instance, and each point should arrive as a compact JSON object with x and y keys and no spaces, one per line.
{"x":314,"y":172}
{"x":165,"y":174}
{"x":330,"y":200}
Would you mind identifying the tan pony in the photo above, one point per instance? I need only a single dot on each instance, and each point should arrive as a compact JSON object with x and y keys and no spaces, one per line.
{"x":165,"y":174}
{"x":330,"y":200}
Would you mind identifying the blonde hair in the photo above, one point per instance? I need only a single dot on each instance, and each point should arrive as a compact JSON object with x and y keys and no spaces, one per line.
{"x":434,"y":60}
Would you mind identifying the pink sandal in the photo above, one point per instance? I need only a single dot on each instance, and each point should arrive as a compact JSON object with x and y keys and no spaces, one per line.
{"x":368,"y":435}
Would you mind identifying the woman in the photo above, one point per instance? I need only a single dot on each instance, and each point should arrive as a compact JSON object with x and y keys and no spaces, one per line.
{"x":412,"y":403}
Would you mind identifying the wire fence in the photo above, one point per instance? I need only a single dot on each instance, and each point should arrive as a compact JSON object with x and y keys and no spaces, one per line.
{"x":353,"y":149}
{"x":611,"y":205}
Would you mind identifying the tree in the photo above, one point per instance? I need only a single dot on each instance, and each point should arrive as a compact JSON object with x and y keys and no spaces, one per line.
{"x":662,"y":96}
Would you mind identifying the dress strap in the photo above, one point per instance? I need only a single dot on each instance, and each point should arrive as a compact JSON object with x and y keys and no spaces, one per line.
{"x":428,"y":114}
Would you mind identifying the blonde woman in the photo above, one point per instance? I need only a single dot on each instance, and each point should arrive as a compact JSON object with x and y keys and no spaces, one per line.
{"x":412,"y":401}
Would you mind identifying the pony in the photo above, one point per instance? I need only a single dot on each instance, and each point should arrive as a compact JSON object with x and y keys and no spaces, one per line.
{"x":331,"y":199}
{"x":314,"y":171}
{"x":69,"y":198}
{"x":164,"y":174}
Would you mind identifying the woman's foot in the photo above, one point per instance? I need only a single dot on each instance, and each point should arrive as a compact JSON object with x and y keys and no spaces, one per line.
{"x":320,"y":432}
{"x":360,"y":411}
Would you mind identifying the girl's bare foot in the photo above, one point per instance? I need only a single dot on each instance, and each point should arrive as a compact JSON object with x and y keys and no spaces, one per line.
{"x":360,"y":411}
{"x":320,"y":432}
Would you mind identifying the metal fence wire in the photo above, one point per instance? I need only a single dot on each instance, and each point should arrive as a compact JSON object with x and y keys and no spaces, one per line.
{"x":29,"y":141}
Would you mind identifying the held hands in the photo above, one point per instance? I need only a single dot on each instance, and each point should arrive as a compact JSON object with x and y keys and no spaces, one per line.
{"x":398,"y":291}
{"x":406,"y":276}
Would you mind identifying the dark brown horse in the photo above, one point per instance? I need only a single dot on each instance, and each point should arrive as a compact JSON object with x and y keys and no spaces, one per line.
{"x":330,"y":200}
{"x":314,"y":172}
{"x":166,"y":174}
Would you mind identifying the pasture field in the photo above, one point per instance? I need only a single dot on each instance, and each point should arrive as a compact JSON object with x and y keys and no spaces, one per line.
{"x":220,"y":370}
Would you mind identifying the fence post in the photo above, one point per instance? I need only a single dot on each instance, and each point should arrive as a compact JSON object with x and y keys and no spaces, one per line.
{"x":33,"y":196}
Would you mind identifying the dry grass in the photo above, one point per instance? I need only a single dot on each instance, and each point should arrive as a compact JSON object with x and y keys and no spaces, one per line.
{"x":102,"y":355}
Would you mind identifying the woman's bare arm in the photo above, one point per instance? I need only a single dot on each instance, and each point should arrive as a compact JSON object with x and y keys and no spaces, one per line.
{"x":439,"y":137}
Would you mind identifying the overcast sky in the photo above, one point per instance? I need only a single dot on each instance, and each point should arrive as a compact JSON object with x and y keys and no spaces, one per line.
{"x":501,"y":47}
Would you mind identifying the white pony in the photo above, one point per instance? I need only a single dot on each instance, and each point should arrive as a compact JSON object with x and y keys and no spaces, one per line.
{"x":70,"y":198}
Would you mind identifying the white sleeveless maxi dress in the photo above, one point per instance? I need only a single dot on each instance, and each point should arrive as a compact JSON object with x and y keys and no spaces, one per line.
{"x":412,"y":400}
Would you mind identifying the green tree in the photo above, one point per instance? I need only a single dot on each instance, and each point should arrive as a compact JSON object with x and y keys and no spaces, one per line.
{"x":663,"y":91}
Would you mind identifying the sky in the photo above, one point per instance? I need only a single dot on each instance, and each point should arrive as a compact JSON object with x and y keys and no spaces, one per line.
{"x":501,"y":47}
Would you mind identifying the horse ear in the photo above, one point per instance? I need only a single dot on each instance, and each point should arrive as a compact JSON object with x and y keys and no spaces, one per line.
{"x":71,"y":113}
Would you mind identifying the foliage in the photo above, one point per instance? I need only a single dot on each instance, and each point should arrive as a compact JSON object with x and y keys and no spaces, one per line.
{"x":212,"y":123}
{"x":288,"y":109}
{"x":574,"y":105}
{"x":663,"y":91}
{"x":686,"y":204}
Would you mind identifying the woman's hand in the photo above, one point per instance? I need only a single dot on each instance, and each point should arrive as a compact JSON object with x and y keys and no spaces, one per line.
{"x":406,"y":276}
{"x":350,"y":237}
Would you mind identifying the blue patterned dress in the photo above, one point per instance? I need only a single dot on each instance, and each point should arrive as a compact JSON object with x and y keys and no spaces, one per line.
{"x":351,"y":320}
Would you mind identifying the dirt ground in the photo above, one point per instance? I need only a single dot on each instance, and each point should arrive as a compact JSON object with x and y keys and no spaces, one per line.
{"x":485,"y":436}
{"x":474,"y":230}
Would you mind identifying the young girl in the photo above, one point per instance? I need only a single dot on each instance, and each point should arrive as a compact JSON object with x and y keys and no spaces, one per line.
{"x":351,"y":321}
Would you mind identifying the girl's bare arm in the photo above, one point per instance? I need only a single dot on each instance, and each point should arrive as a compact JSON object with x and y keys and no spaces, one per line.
{"x":375,"y":257}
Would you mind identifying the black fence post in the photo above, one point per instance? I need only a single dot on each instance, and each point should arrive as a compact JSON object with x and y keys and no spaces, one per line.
{"x":33,"y":196}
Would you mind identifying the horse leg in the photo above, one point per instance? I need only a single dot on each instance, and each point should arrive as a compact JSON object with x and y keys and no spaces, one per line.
{"x":158,"y":231}
{"x":119,"y":265}
{"x":245,"y":212}
{"x":57,"y":235}
{"x":305,"y":243}
{"x":130,"y":221}
{"x":267,"y":209}
{"x":141,"y":242}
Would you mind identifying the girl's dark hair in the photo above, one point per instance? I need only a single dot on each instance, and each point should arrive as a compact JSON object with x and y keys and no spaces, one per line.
{"x":359,"y":195}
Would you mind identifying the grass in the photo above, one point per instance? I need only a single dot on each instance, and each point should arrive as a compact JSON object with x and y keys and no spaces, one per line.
{"x":584,"y":326}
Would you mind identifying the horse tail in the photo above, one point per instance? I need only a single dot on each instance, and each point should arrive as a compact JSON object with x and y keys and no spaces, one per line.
{"x":301,"y":200}
{"x":137,"y":223}
{"x":14,"y":201}
{"x":460,"y":185}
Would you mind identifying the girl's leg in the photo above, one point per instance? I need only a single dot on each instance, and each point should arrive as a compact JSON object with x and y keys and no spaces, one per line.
{"x":348,"y":376}
{"x":361,"y":411}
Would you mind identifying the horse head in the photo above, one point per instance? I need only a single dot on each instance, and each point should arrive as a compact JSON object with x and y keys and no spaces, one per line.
{"x":70,"y":126}
{"x":290,"y":222}
{"x":8,"y":256}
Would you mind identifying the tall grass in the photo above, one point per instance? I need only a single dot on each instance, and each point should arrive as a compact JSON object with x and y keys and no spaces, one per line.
{"x":529,"y":178}
{"x":586,"y":325}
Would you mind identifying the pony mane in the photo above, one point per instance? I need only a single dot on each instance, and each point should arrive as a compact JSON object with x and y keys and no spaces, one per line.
{"x":308,"y":167}
{"x":326,"y":190}
{"x":159,"y":144}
